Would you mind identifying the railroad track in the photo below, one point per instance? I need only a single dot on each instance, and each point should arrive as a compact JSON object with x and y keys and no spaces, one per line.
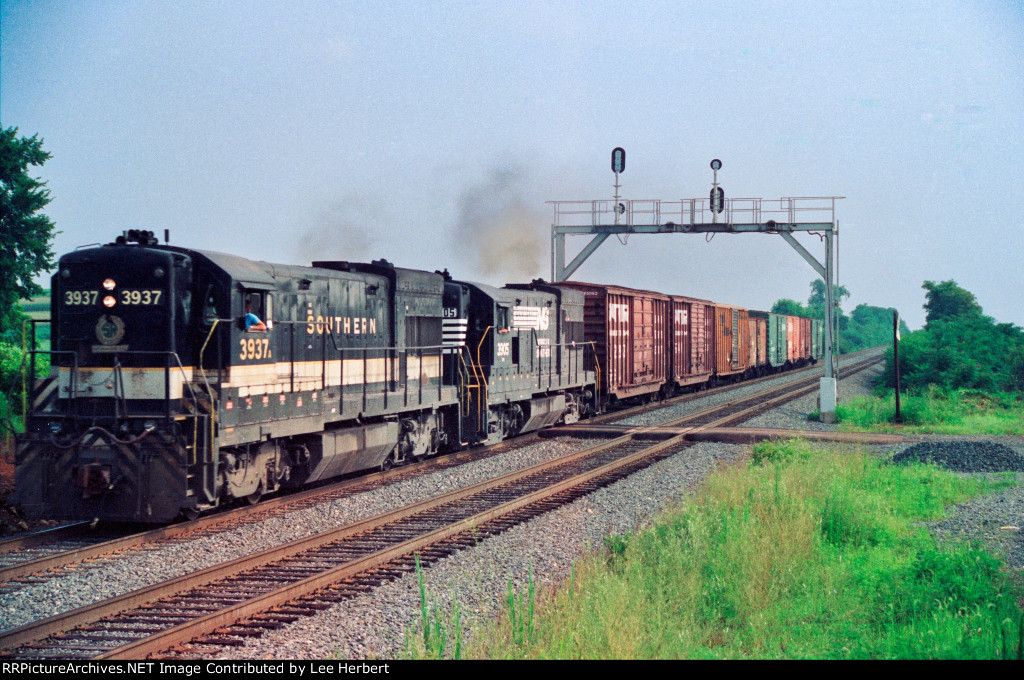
{"x":278,"y":585}
{"x":38,"y":556}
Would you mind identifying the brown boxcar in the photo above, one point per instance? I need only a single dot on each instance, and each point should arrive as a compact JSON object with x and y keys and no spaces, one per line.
{"x":798,"y":340}
{"x":732,"y":344}
{"x":758,"y":341}
{"x":629,"y":330}
{"x":692,"y":340}
{"x":805,"y":339}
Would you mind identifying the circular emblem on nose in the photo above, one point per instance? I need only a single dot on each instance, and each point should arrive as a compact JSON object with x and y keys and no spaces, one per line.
{"x":109,"y":329}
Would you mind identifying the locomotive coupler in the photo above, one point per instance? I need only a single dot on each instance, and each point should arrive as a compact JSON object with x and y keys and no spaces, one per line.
{"x":93,"y":479}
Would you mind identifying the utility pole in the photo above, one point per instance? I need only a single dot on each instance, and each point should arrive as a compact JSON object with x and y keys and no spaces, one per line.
{"x":896,"y":359}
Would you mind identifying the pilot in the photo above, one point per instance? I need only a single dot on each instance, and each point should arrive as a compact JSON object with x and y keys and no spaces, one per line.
{"x":252,"y":322}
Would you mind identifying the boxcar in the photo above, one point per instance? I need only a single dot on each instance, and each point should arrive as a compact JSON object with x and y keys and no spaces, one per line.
{"x":792,"y":339}
{"x":691,"y":339}
{"x":732,"y":346}
{"x":805,"y":339}
{"x":628,"y":329}
{"x":758,"y":342}
{"x":817,"y":339}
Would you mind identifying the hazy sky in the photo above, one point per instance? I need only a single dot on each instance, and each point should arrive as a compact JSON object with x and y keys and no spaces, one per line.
{"x":431,"y":133}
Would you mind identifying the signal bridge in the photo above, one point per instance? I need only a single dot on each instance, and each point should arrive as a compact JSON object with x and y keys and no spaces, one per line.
{"x":601,"y":219}
{"x":622,"y":218}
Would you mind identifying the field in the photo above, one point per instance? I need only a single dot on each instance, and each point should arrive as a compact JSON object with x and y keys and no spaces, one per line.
{"x":803,"y":553}
{"x":936,"y":411}
{"x":38,"y":309}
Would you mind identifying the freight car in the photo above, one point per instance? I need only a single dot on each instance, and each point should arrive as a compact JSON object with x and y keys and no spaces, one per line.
{"x":629,"y":332}
{"x":185,"y":379}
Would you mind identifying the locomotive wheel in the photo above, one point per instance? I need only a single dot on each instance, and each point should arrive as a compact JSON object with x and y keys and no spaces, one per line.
{"x":387,"y":463}
{"x":255,"y":496}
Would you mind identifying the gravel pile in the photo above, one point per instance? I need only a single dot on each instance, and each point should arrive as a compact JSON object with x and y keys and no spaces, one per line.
{"x":964,"y":456}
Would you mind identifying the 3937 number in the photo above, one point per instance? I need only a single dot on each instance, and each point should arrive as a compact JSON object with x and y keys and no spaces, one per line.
{"x":80,"y":297}
{"x":254,"y":348}
{"x":140,"y":297}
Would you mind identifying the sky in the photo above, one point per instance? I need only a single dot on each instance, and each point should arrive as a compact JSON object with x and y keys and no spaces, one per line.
{"x":434,"y":134}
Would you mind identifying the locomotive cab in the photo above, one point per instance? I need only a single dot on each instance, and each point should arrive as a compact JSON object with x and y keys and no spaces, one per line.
{"x":529,"y":374}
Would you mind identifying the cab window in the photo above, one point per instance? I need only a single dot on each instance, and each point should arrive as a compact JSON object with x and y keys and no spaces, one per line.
{"x":256,"y":312}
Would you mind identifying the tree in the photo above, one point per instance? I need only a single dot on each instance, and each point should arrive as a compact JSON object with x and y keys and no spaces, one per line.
{"x":816,"y":302}
{"x":25,"y":236}
{"x":787,"y":306}
{"x":959,"y":347}
{"x":947,"y":301}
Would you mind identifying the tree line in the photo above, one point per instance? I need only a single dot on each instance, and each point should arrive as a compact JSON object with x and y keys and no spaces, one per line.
{"x":958,"y":348}
{"x":867,"y":326}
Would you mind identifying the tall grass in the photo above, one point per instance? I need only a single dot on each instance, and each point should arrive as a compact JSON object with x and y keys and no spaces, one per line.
{"x":936,"y":411}
{"x":801,"y":555}
{"x":440,"y":631}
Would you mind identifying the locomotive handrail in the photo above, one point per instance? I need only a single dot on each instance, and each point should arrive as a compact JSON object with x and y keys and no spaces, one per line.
{"x":570,"y":346}
{"x":73,"y":389}
{"x":463,"y":351}
{"x":597,"y":372}
{"x":213,"y":402}
{"x":74,"y":370}
{"x":480,"y":376}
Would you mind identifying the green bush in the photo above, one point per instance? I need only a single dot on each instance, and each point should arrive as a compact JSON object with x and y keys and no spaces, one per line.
{"x":12,"y":362}
{"x":972,"y":353}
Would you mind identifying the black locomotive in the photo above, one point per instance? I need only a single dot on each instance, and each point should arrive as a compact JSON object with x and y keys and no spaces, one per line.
{"x":185,"y":379}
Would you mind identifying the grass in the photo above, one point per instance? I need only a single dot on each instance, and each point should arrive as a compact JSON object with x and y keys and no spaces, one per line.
{"x":802,"y":554}
{"x":936,"y":412}
{"x":433,"y":640}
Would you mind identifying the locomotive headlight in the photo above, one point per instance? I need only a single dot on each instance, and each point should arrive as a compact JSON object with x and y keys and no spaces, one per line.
{"x":109,"y":284}
{"x":109,"y":301}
